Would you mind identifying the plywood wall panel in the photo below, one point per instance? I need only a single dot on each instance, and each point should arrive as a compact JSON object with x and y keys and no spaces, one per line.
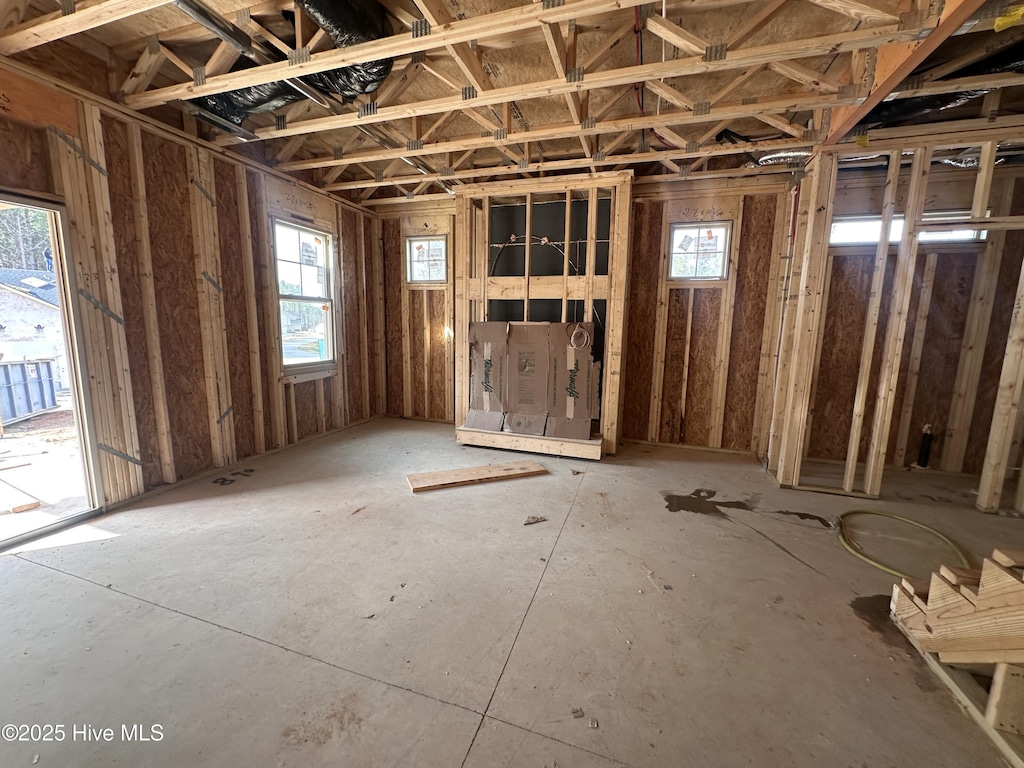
{"x":392,"y":259}
{"x":947,"y":317}
{"x":642,"y":307}
{"x":995,"y":346}
{"x":417,"y":352}
{"x":26,"y":159}
{"x":670,"y":428}
{"x":757,"y":235}
{"x":115,"y":137}
{"x":174,"y":274}
{"x":236,"y":316}
{"x":840,"y":355}
{"x":438,"y":363}
{"x":699,"y":417}
{"x":306,"y":419}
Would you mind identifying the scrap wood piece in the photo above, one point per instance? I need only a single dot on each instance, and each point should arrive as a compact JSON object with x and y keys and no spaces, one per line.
{"x":429,"y":481}
{"x":1009,"y":558}
{"x":534,"y":519}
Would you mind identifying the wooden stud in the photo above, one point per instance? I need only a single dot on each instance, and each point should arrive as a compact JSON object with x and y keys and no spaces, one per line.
{"x":251,"y":316}
{"x":339,"y":382}
{"x":615,"y":354}
{"x":979,"y":314}
{"x":906,"y":259}
{"x":660,"y":333}
{"x":364,"y":314}
{"x":871,"y":322}
{"x":271,"y":316}
{"x":914,"y":369}
{"x":770,"y":334}
{"x":461,"y":263}
{"x":126,"y":429}
{"x":796,"y":228}
{"x":720,"y":387}
{"x":1005,"y":709}
{"x":147,"y":288}
{"x":816,"y":215}
{"x":819,"y":342}
{"x":321,"y":408}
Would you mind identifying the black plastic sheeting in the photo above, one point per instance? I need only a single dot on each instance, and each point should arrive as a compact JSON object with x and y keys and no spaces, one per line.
{"x":901,"y":111}
{"x":347,"y":22}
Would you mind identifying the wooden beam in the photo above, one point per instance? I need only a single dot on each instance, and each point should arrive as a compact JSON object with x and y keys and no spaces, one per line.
{"x":673,"y":34}
{"x":431,"y":481}
{"x":782,"y":124}
{"x":815,"y":215}
{"x":147,"y":286}
{"x":805,"y":75}
{"x":871,"y":322}
{"x":730,"y":111}
{"x":465,"y":57}
{"x":979,"y":314}
{"x":522,"y":18}
{"x":906,"y":259}
{"x":220,"y":61}
{"x":669,"y":94}
{"x":977,"y":53}
{"x":145,"y":69}
{"x":896,"y":61}
{"x":861,"y":11}
{"x":601,"y":54}
{"x":733,"y":84}
{"x":88,"y":14}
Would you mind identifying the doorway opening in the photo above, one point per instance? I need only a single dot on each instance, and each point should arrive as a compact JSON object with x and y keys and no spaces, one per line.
{"x":46,"y":467}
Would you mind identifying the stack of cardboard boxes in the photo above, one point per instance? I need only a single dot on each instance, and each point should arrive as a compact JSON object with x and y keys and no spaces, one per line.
{"x":533,"y":379}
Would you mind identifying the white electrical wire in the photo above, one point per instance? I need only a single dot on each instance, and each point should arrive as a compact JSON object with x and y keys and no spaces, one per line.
{"x":579,"y":330}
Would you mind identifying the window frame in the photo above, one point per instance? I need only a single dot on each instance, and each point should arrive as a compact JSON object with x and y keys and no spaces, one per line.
{"x":330,"y":322}
{"x":726,"y":274}
{"x":898,"y":224}
{"x":409,"y":240}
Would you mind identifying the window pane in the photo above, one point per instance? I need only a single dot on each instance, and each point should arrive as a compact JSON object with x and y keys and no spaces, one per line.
{"x":699,"y":251}
{"x":286,"y":242}
{"x":313,"y":279}
{"x":427,"y":259}
{"x":866,"y":230}
{"x":289,"y":278}
{"x":305,"y":332}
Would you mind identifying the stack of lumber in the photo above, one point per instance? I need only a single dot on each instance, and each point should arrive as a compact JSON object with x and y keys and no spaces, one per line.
{"x":969,"y":626}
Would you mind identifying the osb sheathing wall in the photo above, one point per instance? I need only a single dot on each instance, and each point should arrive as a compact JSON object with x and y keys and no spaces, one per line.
{"x":721,"y":379}
{"x":181,"y":354}
{"x":939,"y":324}
{"x":419,"y":322}
{"x":699,"y":350}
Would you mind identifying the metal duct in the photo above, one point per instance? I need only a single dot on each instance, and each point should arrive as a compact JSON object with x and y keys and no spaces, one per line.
{"x":901,"y":111}
{"x":346,"y":22}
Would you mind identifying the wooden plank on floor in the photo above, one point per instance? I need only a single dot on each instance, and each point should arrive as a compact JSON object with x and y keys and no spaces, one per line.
{"x":15,"y":500}
{"x":451,"y":478}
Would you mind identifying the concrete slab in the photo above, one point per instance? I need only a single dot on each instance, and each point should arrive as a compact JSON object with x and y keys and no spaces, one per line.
{"x":79,"y":654}
{"x":319,"y":573}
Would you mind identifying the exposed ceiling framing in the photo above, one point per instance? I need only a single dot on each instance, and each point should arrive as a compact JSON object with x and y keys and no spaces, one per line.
{"x":499,"y":88}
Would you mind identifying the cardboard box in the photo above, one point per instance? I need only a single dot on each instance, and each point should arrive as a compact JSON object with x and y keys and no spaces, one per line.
{"x":572,"y":386}
{"x":528,"y":366}
{"x":488,"y":363}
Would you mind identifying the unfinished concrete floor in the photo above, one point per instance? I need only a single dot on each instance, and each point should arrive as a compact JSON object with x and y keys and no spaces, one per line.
{"x":315,"y":612}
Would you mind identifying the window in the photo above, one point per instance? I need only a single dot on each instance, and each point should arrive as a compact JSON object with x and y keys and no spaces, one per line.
{"x":426,"y":259}
{"x":866,"y":230}
{"x":699,"y":251}
{"x":304,"y":290}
